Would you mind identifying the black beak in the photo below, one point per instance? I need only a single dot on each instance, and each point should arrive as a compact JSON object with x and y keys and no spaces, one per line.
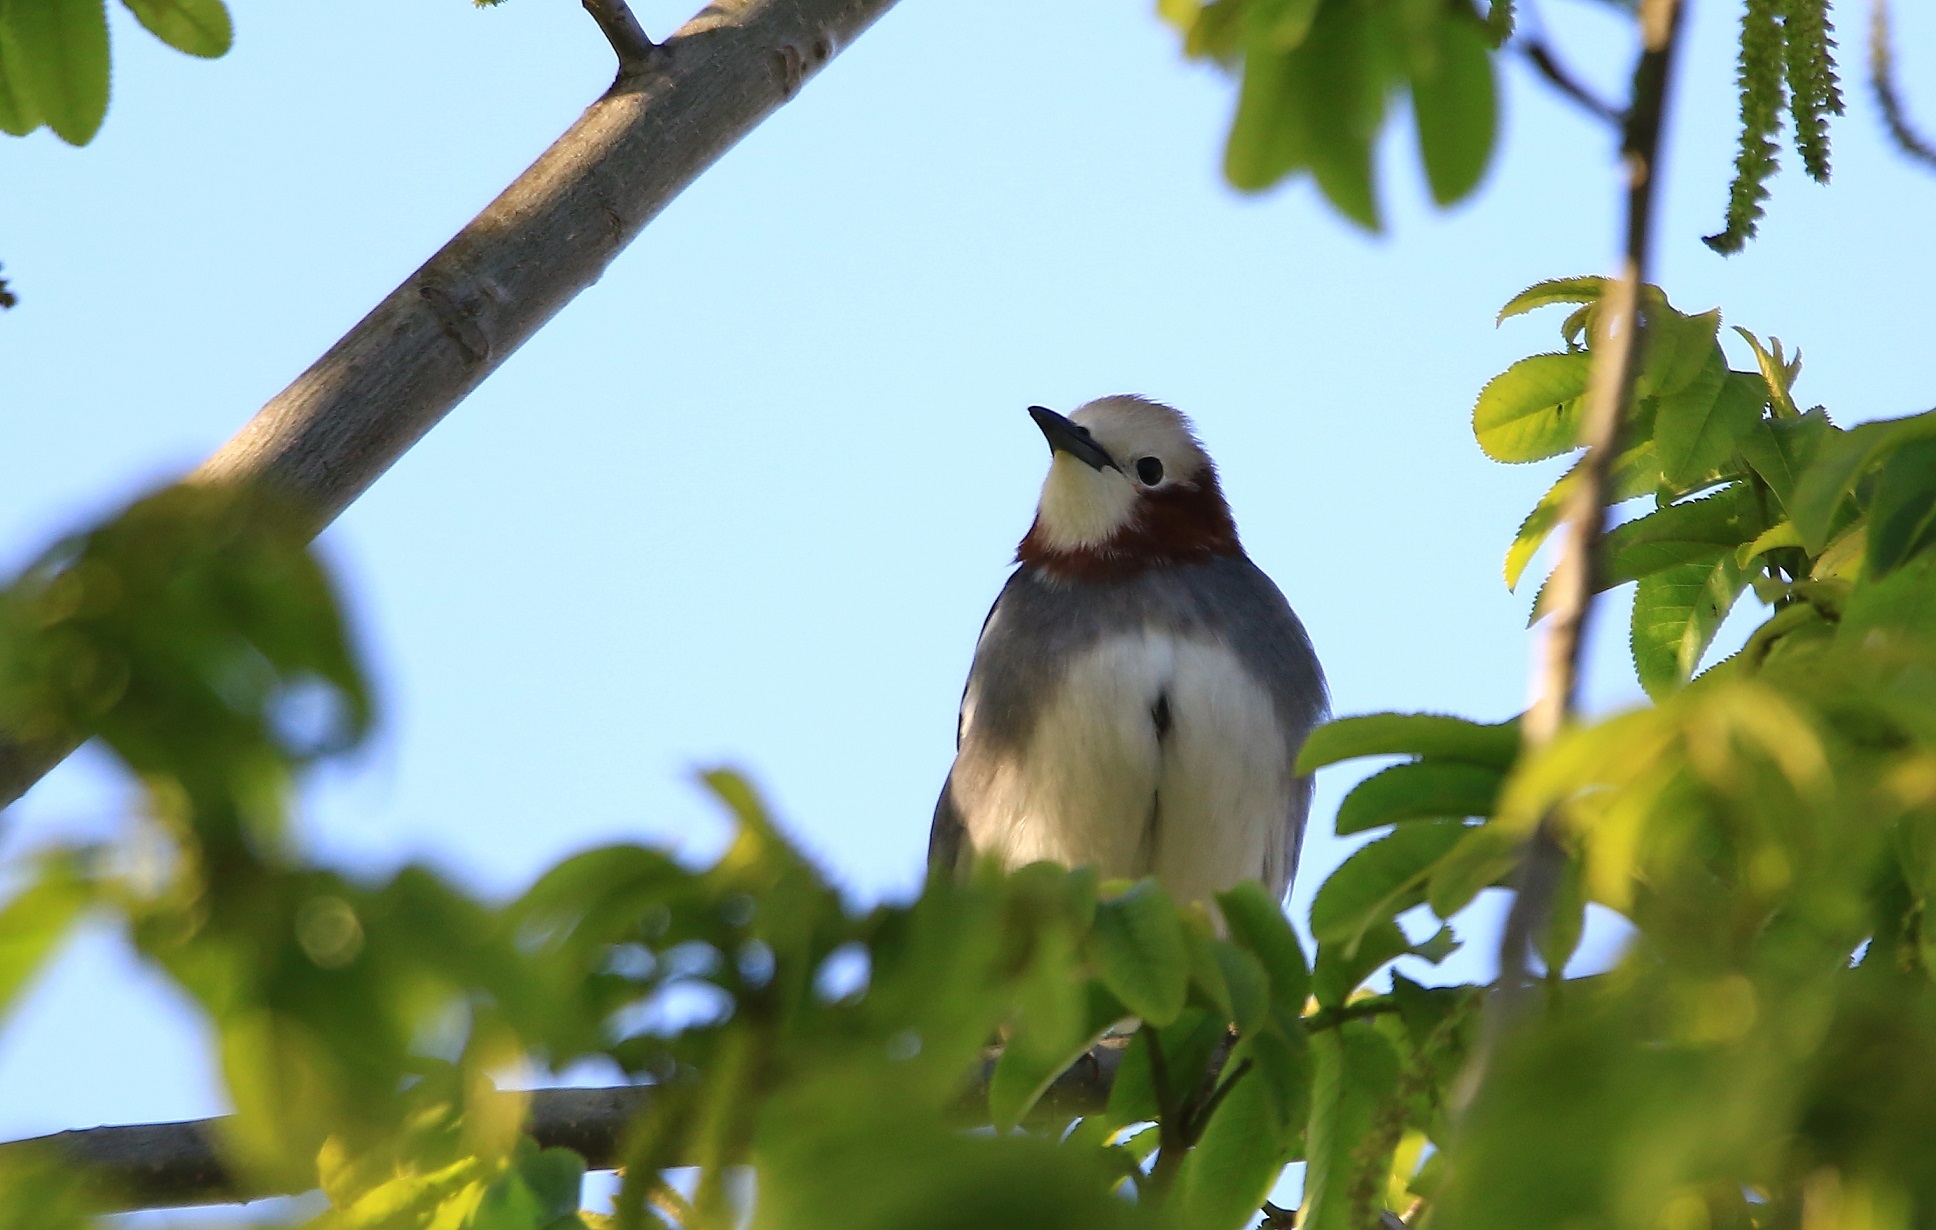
{"x":1065,"y":437}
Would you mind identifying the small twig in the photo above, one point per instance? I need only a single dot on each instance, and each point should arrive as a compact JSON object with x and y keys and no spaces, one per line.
{"x":623,"y":32}
{"x":1566,"y":83}
{"x":1276,"y":1218}
{"x":1882,"y":77}
{"x":1199,"y":1117}
{"x":1331,"y":1018}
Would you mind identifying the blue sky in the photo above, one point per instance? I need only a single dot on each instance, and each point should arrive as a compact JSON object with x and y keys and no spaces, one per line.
{"x":747,"y":499}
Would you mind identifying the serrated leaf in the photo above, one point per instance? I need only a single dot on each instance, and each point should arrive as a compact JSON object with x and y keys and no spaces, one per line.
{"x":1354,"y":1071}
{"x":1341,"y":970}
{"x":63,"y":62}
{"x":1636,"y":472}
{"x":1380,"y":881}
{"x":1140,"y":952}
{"x":1676,"y":613}
{"x":1531,"y":411}
{"x":1687,"y":532}
{"x":1781,"y":450}
{"x":1433,"y":735}
{"x":197,"y":27}
{"x":1454,"y":110}
{"x":1483,"y":857}
{"x":1551,"y":291}
{"x":1771,"y":539}
{"x":1697,"y":428}
{"x":1680,"y":349}
{"x":1840,"y":459}
{"x":1259,"y":924}
{"x":1427,"y":788}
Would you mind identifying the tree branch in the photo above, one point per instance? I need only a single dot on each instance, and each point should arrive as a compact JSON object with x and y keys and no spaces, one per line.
{"x":333,"y":432}
{"x":1557,"y":76}
{"x":623,"y":32}
{"x":1616,"y":348}
{"x":174,"y":1165}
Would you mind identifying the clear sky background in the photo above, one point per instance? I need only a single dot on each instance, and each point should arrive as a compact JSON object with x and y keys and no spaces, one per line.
{"x":747,"y":500}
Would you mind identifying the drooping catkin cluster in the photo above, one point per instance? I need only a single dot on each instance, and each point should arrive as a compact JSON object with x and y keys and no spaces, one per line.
{"x":1787,"y":62}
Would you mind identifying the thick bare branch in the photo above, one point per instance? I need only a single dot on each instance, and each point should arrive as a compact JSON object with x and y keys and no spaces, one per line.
{"x":329,"y":435}
{"x":174,"y":1165}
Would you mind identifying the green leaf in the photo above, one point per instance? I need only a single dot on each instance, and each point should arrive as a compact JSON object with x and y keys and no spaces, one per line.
{"x":1778,"y":375}
{"x":1343,"y":59}
{"x":1531,"y":411}
{"x":1680,"y":349}
{"x":1676,"y":613}
{"x":19,"y":113}
{"x":1280,"y":24}
{"x":1636,"y":472}
{"x":1900,"y":606}
{"x":1354,"y":1073}
{"x":1454,"y":109}
{"x":1258,"y":923}
{"x":1902,"y":509}
{"x":1341,"y":969}
{"x":1140,"y":953}
{"x":1226,"y":1177}
{"x":1038,"y":1051}
{"x":1270,"y":137}
{"x":1411,"y":734}
{"x":1698,"y":428}
{"x":1423,"y":789}
{"x":1780,"y":450}
{"x":1483,"y":857}
{"x":62,"y":61}
{"x":1551,"y":291}
{"x":1687,"y":532}
{"x":35,"y":921}
{"x":198,"y":27}
{"x":1840,"y":460}
{"x":1238,"y":982}
{"x":1773,"y":538}
{"x":1380,"y":881}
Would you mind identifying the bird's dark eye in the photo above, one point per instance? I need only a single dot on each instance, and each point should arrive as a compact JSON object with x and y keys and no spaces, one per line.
{"x":1150,"y":470}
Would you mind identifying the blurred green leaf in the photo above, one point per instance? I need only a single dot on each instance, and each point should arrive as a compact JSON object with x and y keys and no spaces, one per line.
{"x":1139,"y":951}
{"x":1902,"y":508}
{"x":1482,"y":857}
{"x":1636,"y":472}
{"x":19,"y":113}
{"x":1355,"y":1072}
{"x":36,"y":920}
{"x":1059,"y":1016}
{"x":1422,"y":789}
{"x":1228,"y":1174}
{"x":1780,"y":450}
{"x":1454,"y":109}
{"x":62,"y":60}
{"x":198,"y":27}
{"x":1417,"y":734}
{"x":1282,"y":24}
{"x":1380,"y":880}
{"x":1531,"y":411}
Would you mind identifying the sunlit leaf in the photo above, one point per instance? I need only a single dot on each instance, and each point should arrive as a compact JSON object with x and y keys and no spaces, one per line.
{"x":1676,"y":613}
{"x":1842,"y":458}
{"x":1531,"y":411}
{"x":35,"y":922}
{"x":1354,"y":1072}
{"x":1551,"y":291}
{"x":1698,"y":427}
{"x":1258,"y":923}
{"x":1780,"y":450}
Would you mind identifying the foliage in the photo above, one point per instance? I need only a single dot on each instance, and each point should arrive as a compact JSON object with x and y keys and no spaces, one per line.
{"x":54,"y":57}
{"x":1317,"y":76}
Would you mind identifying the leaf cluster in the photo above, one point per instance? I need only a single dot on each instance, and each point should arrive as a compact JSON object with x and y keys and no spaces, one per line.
{"x":54,"y":57}
{"x":1319,"y":75}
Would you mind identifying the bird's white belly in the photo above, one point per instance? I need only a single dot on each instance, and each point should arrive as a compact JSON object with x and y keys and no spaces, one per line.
{"x":1095,"y":783}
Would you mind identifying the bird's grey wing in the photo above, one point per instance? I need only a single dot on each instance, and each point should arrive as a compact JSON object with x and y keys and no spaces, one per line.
{"x":948,"y":834}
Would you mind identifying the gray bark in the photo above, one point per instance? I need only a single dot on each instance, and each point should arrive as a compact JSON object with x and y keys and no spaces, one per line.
{"x":341,"y":424}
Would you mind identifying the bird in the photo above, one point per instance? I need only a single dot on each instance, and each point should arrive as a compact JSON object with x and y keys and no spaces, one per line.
{"x":1140,"y":689}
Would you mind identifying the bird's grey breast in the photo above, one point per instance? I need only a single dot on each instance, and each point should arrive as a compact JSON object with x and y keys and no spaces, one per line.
{"x":1039,"y":627}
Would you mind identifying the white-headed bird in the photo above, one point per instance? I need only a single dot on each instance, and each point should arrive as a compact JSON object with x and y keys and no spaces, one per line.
{"x":1140,"y":689}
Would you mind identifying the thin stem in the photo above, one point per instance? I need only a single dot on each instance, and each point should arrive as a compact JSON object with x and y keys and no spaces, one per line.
{"x":623,"y":32}
{"x":1882,"y":76}
{"x":1557,"y":76}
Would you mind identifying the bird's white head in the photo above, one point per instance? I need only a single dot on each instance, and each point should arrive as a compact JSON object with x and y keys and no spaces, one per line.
{"x":1129,"y":488}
